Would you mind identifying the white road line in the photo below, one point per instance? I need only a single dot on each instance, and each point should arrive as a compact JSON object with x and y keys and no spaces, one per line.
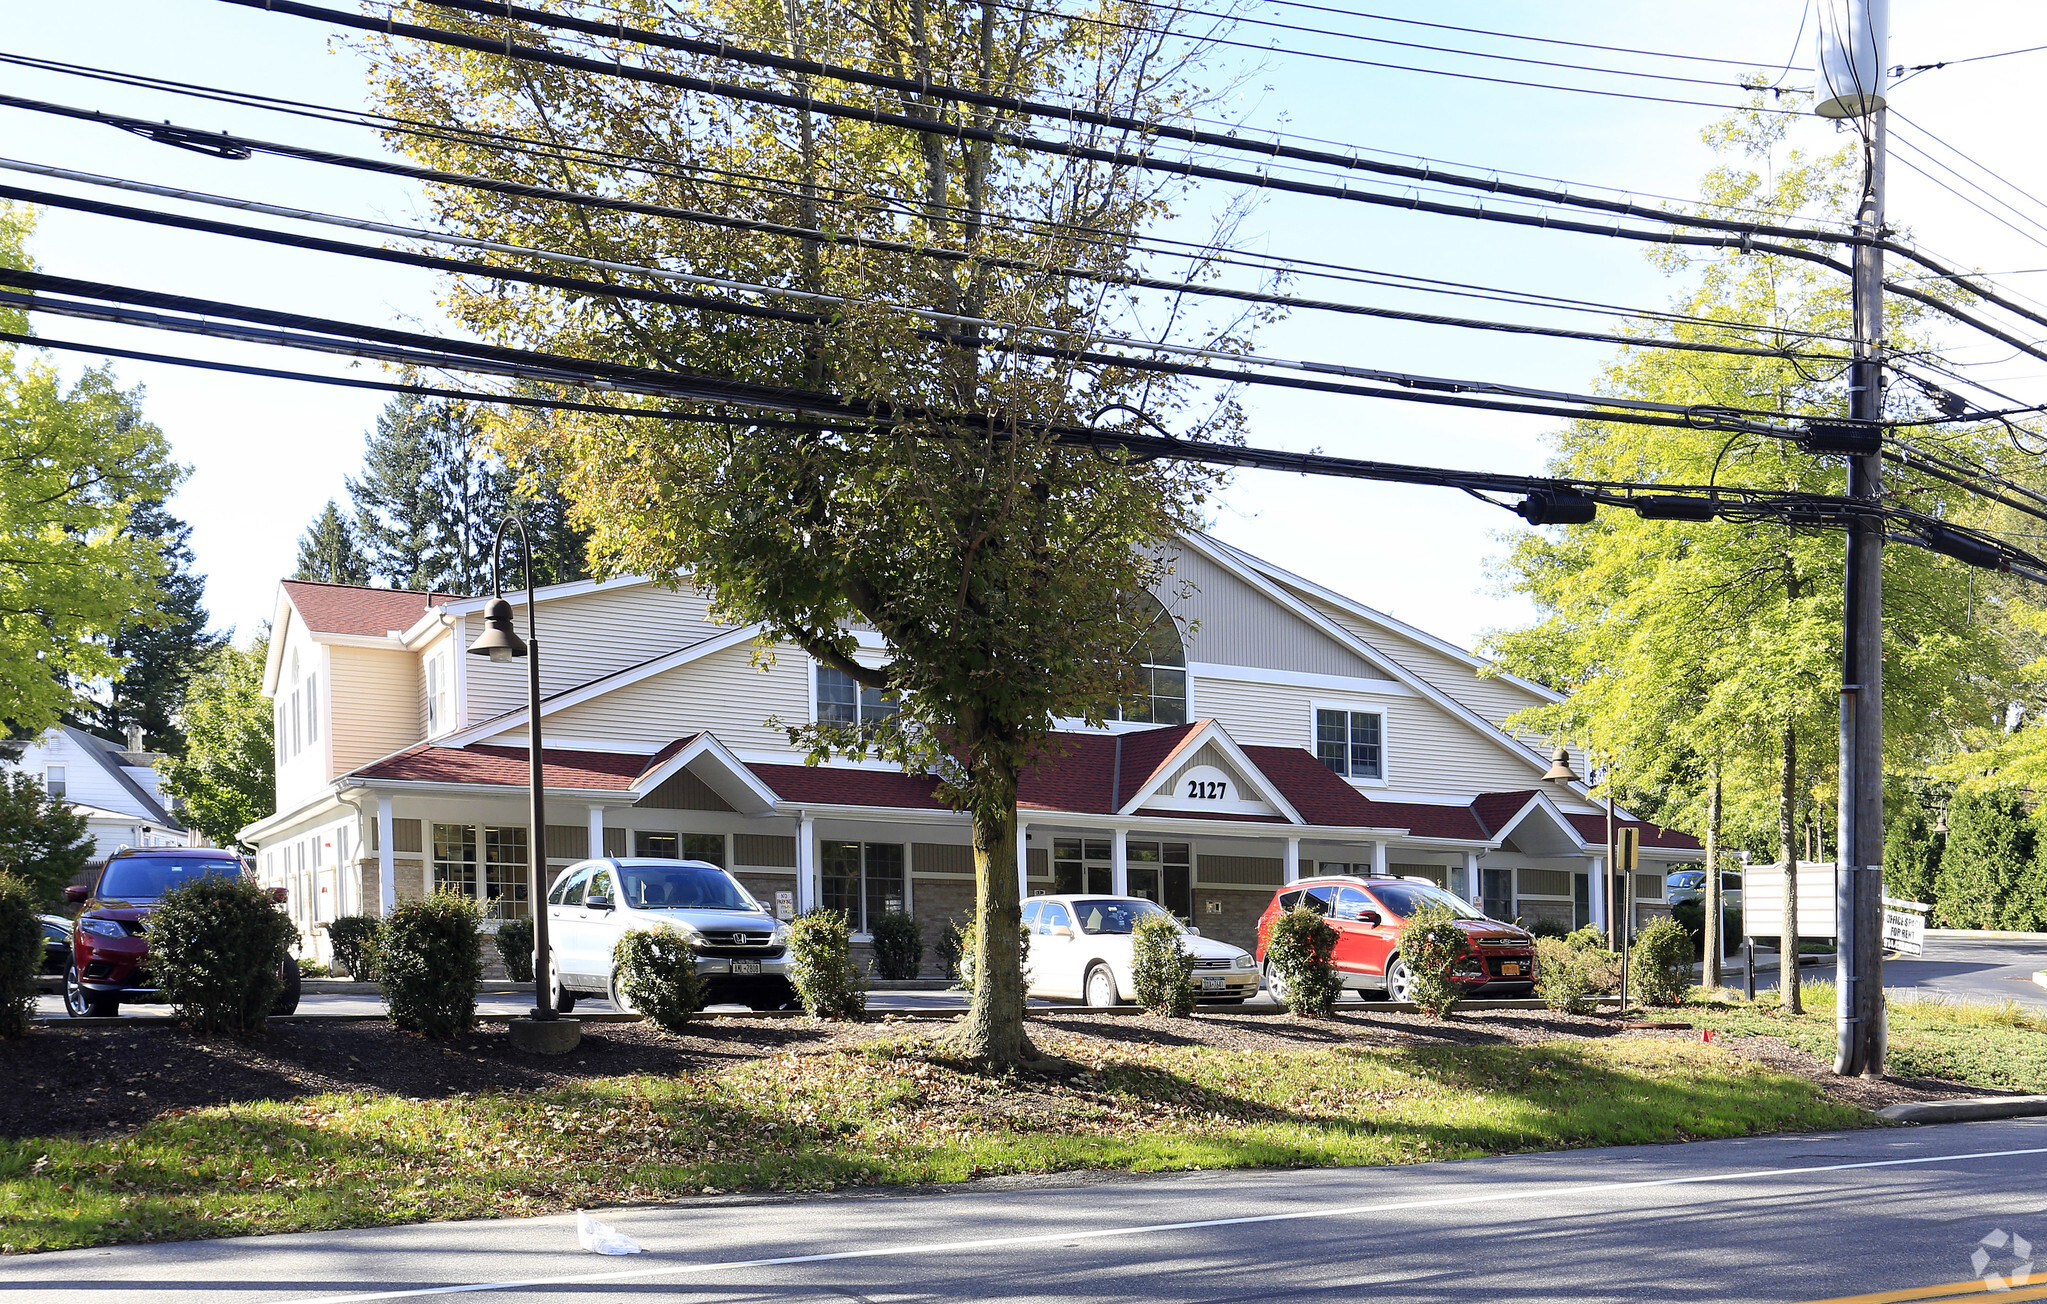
{"x":1104,"y":1233}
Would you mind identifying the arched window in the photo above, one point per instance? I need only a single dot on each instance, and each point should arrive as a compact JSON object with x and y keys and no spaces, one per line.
{"x":1157,"y":665}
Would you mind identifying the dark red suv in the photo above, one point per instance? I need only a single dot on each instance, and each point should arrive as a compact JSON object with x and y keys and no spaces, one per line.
{"x":1368,"y":914}
{"x":109,"y":955}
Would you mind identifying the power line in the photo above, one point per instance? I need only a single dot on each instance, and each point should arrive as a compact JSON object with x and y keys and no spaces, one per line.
{"x":1522,"y":36}
{"x":1974,"y":58}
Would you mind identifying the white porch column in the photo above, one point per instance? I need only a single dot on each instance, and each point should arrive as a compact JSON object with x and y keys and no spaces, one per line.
{"x":596,"y":832}
{"x":807,"y":894}
{"x":1293,"y":860}
{"x":1023,"y":860}
{"x":387,"y":867}
{"x":1119,"y":863}
{"x":1378,"y":860}
{"x":1467,"y":886}
{"x":1600,"y":892}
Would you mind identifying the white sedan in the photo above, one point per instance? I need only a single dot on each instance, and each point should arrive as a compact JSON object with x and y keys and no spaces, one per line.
{"x":1080,"y":947}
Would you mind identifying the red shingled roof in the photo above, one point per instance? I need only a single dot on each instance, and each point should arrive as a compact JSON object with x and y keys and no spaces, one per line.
{"x":348,"y":609}
{"x":836,"y":785}
{"x":1496,"y":809}
{"x":505,"y":767}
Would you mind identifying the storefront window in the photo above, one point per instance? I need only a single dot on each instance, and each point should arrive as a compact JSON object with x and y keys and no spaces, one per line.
{"x":707,"y":847}
{"x":1082,"y":866}
{"x":506,"y":872}
{"x":864,"y":879}
{"x":455,"y":858}
{"x":665,"y":846}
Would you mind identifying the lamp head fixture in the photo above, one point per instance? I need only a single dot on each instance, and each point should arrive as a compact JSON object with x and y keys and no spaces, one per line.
{"x":1560,"y":766}
{"x":499,"y":641}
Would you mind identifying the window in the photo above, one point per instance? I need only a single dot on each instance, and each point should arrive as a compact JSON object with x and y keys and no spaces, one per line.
{"x":665,"y":846}
{"x":841,"y":701}
{"x":1055,"y":916}
{"x":600,"y":887}
{"x":439,"y":716}
{"x":1348,"y":742}
{"x":1082,"y":866}
{"x":455,"y":858}
{"x":864,"y":879}
{"x":569,"y":892}
{"x":53,"y":781}
{"x":707,"y":847}
{"x":1403,"y":899}
{"x":1031,"y":911}
{"x":505,"y":872}
{"x":1162,"y":872}
{"x":1157,"y":666}
{"x":312,"y":708}
{"x":1350,"y":904}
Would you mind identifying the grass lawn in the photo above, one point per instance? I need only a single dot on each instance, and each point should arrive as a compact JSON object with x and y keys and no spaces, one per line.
{"x":1986,"y":1045}
{"x":885,"y":1113}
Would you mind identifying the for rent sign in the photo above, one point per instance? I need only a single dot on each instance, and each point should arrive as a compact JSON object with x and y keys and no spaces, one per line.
{"x":1905,"y":926}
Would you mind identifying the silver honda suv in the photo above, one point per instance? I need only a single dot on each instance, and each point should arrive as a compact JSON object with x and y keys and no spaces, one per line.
{"x":742,"y":949}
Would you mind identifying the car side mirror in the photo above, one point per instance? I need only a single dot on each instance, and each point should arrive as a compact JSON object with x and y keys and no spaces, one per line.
{"x":1369,"y":918}
{"x":597,"y":903}
{"x":280,"y":894}
{"x":1059,"y":930}
{"x":1192,"y":931}
{"x":76,"y":895}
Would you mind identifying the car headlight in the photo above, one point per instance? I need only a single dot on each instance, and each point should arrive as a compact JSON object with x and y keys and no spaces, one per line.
{"x":1245,"y":962}
{"x":690,"y":935}
{"x":102,"y":927}
{"x":783,"y":933}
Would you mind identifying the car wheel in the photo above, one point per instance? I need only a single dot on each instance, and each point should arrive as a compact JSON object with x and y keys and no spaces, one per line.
{"x":288,"y":994}
{"x":564,"y":999}
{"x":1275,"y":984}
{"x":1399,"y":980}
{"x":1101,"y":987}
{"x":618,"y":1000}
{"x":80,"y":1002}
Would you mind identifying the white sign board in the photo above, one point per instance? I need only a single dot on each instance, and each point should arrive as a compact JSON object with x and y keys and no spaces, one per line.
{"x":1905,"y":926}
{"x":1762,"y":900}
{"x":785,"y":905}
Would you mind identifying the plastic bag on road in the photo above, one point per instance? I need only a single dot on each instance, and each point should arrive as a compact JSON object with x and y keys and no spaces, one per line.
{"x":598,"y":1238}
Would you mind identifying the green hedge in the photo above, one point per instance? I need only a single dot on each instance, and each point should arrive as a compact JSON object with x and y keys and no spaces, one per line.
{"x":515,"y":946}
{"x":1435,"y":946}
{"x":821,"y":966}
{"x":1161,"y":968}
{"x":657,"y":974}
{"x":1301,"y":955}
{"x":898,"y":945}
{"x":1663,"y":963}
{"x":355,"y":939}
{"x":215,"y":946}
{"x":21,"y":954}
{"x":431,"y":962}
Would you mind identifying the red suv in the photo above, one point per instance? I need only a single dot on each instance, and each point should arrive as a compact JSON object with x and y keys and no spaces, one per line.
{"x":1368,"y":914}
{"x":109,"y":955}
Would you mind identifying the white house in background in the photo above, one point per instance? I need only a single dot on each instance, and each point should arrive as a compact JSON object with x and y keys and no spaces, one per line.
{"x":116,"y":788}
{"x":1288,"y":729}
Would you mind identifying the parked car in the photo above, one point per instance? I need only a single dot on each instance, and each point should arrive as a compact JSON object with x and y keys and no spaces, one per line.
{"x":56,"y":942}
{"x":109,"y":950}
{"x":1690,"y":885}
{"x":742,"y":949}
{"x":1081,"y":946}
{"x":1368,"y":914}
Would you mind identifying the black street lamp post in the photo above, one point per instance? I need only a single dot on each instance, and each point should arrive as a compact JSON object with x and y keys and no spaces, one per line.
{"x":546,"y":1032}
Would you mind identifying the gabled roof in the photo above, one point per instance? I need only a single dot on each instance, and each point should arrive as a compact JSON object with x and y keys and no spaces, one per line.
{"x":360,"y":612}
{"x":1498,"y":811}
{"x":111,"y":758}
{"x":1324,"y":797}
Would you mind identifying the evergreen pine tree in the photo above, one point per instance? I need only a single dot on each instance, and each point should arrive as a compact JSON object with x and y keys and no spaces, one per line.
{"x":1912,"y":850}
{"x":470,"y":490}
{"x":1990,"y":849}
{"x":161,"y":656}
{"x":397,"y":500}
{"x":328,"y":552}
{"x":560,"y":550}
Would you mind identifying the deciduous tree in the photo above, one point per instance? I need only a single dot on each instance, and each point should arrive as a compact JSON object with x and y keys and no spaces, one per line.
{"x":42,"y":840}
{"x":223,"y":778}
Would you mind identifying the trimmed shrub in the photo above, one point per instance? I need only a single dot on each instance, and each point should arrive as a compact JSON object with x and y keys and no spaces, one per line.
{"x":21,"y":954}
{"x":215,"y":947}
{"x":1566,"y":973}
{"x":898,"y":945}
{"x":1546,"y":928}
{"x":430,"y":963}
{"x":311,"y":968}
{"x":969,"y":943}
{"x":354,"y":939}
{"x":1435,"y":946}
{"x":1161,"y":968}
{"x":657,"y":972}
{"x":1301,"y":955}
{"x":515,"y":946}
{"x":821,"y":966}
{"x":1663,"y":963}
{"x":1589,"y":938}
{"x":951,"y":944}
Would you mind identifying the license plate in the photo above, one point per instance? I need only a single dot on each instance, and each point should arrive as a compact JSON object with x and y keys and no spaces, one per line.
{"x":1510,"y":970}
{"x":746,"y":966}
{"x":1213,"y":984}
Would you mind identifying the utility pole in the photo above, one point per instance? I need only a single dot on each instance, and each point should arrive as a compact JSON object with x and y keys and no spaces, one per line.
{"x":1853,"y":48}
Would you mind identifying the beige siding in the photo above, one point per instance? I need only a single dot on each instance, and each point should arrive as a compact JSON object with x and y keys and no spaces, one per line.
{"x":723,"y":693}
{"x":590,"y":635}
{"x":1239,"y":626}
{"x":1493,"y":698}
{"x":1429,"y":752}
{"x":379,"y":697}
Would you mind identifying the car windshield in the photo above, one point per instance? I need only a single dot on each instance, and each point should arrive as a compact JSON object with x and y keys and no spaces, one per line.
{"x":144,"y":878}
{"x":1403,"y":899}
{"x":1689,"y":878}
{"x":682,"y":887}
{"x":1117,"y":915}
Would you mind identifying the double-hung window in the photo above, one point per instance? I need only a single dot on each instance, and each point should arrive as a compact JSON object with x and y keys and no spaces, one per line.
{"x":841,"y":701}
{"x":864,"y":879}
{"x":1352,"y":743}
{"x":440,"y":692}
{"x":53,"y":781}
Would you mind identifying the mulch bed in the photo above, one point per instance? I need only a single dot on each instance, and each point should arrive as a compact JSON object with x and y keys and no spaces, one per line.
{"x":101,"y":1080}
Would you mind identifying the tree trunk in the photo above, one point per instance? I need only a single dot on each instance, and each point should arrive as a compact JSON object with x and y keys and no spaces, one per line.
{"x":1787,"y":851}
{"x":993,"y":1031}
{"x":1711,"y":976}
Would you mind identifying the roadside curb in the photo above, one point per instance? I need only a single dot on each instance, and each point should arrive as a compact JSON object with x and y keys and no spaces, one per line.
{"x":1976,"y":1109}
{"x":1985,"y":935}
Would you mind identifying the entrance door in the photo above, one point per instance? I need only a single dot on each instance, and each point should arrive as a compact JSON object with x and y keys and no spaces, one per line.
{"x":1082,"y":867}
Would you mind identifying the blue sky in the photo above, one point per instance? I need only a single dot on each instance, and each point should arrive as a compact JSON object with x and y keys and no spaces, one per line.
{"x":265,"y":455}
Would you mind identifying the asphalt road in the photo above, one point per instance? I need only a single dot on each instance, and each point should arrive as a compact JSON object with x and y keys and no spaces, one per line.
{"x":1991,"y":970}
{"x":1782,"y":1218}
